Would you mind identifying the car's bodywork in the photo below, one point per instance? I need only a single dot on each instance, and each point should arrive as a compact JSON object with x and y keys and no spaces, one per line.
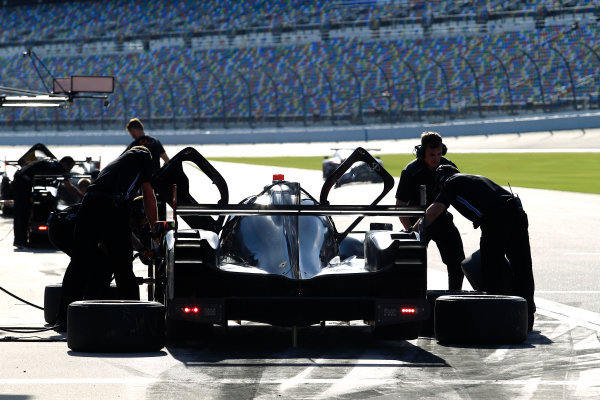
{"x":36,"y":152}
{"x":278,"y":258}
{"x":49,"y":194}
{"x":360,"y":172}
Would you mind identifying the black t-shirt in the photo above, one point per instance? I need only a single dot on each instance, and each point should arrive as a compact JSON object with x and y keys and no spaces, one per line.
{"x":124,"y":176}
{"x":154,"y":145}
{"x":413,"y":176}
{"x":473,"y":195}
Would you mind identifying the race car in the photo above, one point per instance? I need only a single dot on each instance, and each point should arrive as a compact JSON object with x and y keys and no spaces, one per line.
{"x":278,"y":258}
{"x":359,"y":173}
{"x":36,"y":152}
{"x":49,"y":194}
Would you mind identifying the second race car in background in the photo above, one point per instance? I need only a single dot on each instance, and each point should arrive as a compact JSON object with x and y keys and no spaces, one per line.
{"x":360,"y":172}
{"x":10,"y":167}
{"x":49,"y":194}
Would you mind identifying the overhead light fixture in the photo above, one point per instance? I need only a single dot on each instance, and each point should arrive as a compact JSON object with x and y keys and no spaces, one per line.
{"x":33,"y":105}
{"x":34,"y":101}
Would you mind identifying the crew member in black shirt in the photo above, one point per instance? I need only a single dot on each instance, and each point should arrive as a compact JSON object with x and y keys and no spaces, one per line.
{"x":421,"y":171}
{"x":103,"y":219}
{"x":504,"y":229}
{"x":23,"y":184}
{"x":136,"y":130}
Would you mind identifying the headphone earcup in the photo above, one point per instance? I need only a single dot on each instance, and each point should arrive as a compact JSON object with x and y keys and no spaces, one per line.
{"x":419,"y":151}
{"x":444,"y":149}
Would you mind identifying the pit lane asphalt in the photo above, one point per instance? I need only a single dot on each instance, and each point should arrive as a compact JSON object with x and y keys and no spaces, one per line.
{"x":560,"y":359}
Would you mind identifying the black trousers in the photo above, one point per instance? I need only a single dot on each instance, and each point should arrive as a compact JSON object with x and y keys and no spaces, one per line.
{"x":448,"y":241}
{"x":102,"y":247}
{"x":505,"y":232}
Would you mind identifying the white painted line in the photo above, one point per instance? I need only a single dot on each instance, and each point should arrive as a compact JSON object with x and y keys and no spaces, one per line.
{"x":573,"y":315}
{"x":79,"y":381}
{"x":582,"y":253}
{"x":569,"y":291}
{"x":372,"y":381}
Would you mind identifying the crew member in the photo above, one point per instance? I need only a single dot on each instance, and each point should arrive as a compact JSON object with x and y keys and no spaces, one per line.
{"x":23,"y":184}
{"x":103,"y":219}
{"x":136,"y":130}
{"x":421,"y":171}
{"x":504,"y":229}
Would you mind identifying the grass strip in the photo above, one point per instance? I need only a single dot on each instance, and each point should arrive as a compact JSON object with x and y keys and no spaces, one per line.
{"x":572,"y":172}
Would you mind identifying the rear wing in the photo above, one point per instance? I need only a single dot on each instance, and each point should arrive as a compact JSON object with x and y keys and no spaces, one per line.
{"x":302,"y":210}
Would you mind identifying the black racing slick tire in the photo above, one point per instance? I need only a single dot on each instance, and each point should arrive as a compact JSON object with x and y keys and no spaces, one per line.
{"x":52,"y":295}
{"x":480,"y":319}
{"x":124,"y":326}
{"x":427,"y":328}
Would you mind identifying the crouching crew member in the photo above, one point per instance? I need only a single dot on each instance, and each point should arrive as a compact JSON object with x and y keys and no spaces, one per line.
{"x":23,"y":184}
{"x":103,"y":219}
{"x":504,"y":229}
{"x":421,"y":171}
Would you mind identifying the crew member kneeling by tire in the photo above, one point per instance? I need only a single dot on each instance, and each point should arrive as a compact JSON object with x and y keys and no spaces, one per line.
{"x":504,"y":229}
{"x":103,"y":217}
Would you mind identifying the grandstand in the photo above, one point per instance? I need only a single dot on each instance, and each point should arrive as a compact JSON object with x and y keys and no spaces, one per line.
{"x":188,"y":64}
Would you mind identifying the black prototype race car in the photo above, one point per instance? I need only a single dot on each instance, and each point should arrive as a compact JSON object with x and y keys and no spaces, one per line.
{"x":278,"y":258}
{"x":48,"y":192}
{"x":36,"y":152}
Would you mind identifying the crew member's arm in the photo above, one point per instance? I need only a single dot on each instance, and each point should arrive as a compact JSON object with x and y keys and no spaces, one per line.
{"x":165,"y":157}
{"x":72,"y":188}
{"x":404,"y":220}
{"x":149,"y":203}
{"x":433,"y":211}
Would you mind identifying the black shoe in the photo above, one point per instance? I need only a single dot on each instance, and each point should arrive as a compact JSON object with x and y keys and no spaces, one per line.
{"x":530,"y":322}
{"x":60,"y":327}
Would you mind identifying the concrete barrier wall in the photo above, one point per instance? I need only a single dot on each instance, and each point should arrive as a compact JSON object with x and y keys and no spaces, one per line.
{"x":519,"y":124}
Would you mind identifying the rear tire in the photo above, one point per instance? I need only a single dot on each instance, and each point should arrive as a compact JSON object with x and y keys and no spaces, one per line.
{"x":427,"y":329}
{"x":116,"y":326}
{"x":52,"y":295}
{"x":480,"y":319}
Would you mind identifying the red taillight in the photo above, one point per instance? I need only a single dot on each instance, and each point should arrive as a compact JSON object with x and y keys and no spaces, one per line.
{"x":42,"y":228}
{"x":191,"y":310}
{"x":408,"y":310}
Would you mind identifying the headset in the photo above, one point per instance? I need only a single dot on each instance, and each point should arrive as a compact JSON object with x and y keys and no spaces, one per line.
{"x":419,"y":151}
{"x":443,"y":172}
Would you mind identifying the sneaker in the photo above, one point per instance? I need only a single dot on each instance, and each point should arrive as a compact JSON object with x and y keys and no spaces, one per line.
{"x":60,"y":326}
{"x":530,"y":322}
